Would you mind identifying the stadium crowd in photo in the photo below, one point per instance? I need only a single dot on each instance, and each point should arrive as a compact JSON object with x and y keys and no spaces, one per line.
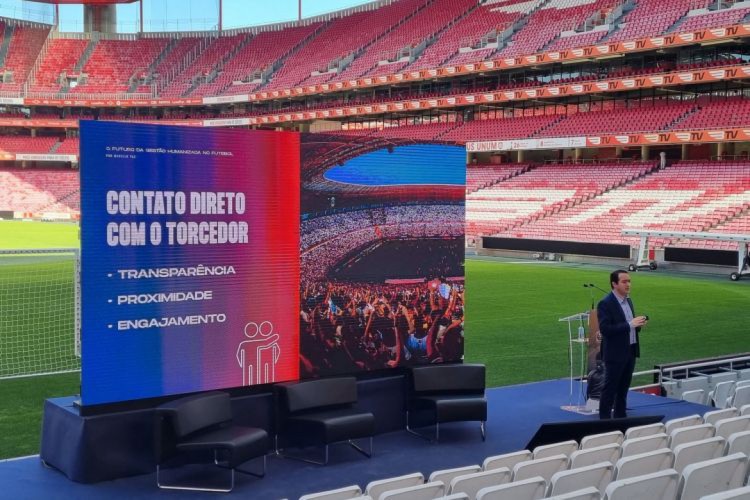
{"x":367,"y":254}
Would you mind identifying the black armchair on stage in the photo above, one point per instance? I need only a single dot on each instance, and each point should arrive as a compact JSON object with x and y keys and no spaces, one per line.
{"x":446,"y":393}
{"x":320,"y":413}
{"x":202,"y":423}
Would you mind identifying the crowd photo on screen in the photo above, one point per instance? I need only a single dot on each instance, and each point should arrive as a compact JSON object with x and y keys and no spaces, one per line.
{"x":381,"y":273}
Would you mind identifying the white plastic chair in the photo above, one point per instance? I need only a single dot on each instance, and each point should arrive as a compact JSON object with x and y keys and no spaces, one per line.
{"x":692,"y":433}
{"x":607,"y":453}
{"x":508,"y":460}
{"x":711,"y":417}
{"x":675,"y":423}
{"x":697,"y":396}
{"x":528,"y":489}
{"x":447,"y":475}
{"x":729,"y":426}
{"x":470,"y":484}
{"x":376,"y":488}
{"x":597,"y":475}
{"x":745,"y":410}
{"x":345,"y":493}
{"x":544,"y":467}
{"x":698,"y":451}
{"x":735,"y":494}
{"x":643,"y":463}
{"x":713,"y":476}
{"x":597,"y":440}
{"x":427,"y":491}
{"x":644,"y":430}
{"x":720,"y":394}
{"x":549,"y":450}
{"x":584,"y":494}
{"x":741,"y":396}
{"x":645,"y":444}
{"x":739,"y":442}
{"x":660,"y":485}
{"x":691,"y":384}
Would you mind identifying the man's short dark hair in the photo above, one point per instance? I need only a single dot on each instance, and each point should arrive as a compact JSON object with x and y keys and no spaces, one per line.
{"x":614,"y":277}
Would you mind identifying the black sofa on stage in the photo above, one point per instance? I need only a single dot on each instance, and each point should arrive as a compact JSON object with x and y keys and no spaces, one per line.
{"x":200,"y":424}
{"x":320,"y":413}
{"x":446,"y":393}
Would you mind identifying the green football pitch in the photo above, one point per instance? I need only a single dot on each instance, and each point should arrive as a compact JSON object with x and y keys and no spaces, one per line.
{"x":512,"y":312}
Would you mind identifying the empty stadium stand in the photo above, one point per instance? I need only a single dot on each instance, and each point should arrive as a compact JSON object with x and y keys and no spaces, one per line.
{"x":686,"y":196}
{"x":543,"y":193}
{"x":36,"y":191}
{"x":25,"y":44}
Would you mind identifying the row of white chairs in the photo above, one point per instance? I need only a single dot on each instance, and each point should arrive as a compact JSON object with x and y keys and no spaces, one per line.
{"x":715,"y":479}
{"x":613,"y":456}
{"x":718,"y":389}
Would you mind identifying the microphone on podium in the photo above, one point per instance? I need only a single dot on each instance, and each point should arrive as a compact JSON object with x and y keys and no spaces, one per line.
{"x":591,"y":285}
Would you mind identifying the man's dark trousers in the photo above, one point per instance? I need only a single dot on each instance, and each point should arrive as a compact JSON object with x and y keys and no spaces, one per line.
{"x":617,"y":377}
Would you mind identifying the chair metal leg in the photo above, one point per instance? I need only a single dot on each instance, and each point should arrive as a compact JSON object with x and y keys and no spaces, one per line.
{"x":326,"y":453}
{"x":354,"y":445}
{"x":419,"y":434}
{"x":483,"y":430}
{"x":259,"y":475}
{"x":192,"y":488}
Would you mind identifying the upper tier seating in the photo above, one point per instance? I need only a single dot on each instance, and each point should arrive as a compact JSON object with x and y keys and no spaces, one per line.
{"x":468,"y":32}
{"x":422,"y":26}
{"x":654,"y":17}
{"x":261,"y":52}
{"x":202,"y":66}
{"x":724,"y":17}
{"x":546,"y":24}
{"x":25,"y":45}
{"x":342,"y":37}
{"x":578,"y":40}
{"x":176,"y":56}
{"x":687,"y":196}
{"x":61,"y":57}
{"x":114,"y":62}
{"x":369,"y":43}
{"x":39,"y":190}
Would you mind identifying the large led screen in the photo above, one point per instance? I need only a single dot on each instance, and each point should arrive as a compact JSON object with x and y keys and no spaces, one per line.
{"x":190,"y":259}
{"x":382,"y":253}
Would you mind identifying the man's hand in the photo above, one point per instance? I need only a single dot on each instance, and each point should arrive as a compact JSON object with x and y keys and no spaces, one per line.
{"x":639,"y":321}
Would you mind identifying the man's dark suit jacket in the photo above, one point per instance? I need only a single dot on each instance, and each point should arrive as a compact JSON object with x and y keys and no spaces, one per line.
{"x":615,"y":330}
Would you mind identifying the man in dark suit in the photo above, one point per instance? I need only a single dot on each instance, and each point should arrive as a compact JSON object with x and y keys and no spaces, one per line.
{"x":619,"y":327}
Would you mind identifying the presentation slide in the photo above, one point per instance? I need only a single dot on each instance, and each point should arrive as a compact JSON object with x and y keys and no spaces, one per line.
{"x":190,"y":259}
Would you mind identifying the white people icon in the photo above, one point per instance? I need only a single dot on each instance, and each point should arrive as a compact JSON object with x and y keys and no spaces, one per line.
{"x":258,"y":354}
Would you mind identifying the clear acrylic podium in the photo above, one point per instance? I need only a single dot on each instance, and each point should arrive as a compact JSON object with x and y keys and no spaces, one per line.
{"x":577,"y":342}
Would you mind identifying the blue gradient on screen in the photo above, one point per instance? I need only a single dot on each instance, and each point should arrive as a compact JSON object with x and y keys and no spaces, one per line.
{"x":426,"y":164}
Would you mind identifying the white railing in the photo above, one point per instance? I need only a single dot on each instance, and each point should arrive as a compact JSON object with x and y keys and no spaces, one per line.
{"x":716,"y":363}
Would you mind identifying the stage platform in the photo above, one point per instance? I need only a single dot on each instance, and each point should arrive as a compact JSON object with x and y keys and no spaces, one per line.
{"x":515,"y":414}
